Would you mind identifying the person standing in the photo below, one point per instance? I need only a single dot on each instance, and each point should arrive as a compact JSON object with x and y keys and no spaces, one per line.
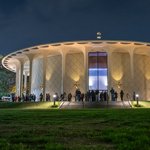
{"x":69,"y":97}
{"x":105,"y":95}
{"x":102,"y":96}
{"x":116,"y":95}
{"x":82,"y":97}
{"x":128,"y":96}
{"x":112,"y":91}
{"x":41,"y":97}
{"x":121,"y":95}
{"x":134,"y":96}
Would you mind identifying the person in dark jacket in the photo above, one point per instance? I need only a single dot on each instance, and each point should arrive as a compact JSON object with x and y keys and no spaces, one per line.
{"x":121,"y":95}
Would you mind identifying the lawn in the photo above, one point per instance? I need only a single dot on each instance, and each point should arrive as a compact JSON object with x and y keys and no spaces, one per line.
{"x":142,"y":103}
{"x":92,"y":129}
{"x":29,"y":105}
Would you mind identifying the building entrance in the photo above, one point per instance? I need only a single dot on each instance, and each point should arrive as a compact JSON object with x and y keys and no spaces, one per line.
{"x":98,"y":71}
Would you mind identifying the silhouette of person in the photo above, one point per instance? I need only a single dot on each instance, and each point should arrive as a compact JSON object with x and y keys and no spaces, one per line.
{"x":101,"y":96}
{"x":134,"y":96}
{"x":121,"y":95}
{"x":41,"y":97}
{"x":116,"y":95}
{"x":112,"y":94}
{"x":69,"y":97}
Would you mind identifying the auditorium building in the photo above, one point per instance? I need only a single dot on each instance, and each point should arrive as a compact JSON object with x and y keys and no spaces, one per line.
{"x":88,"y":65}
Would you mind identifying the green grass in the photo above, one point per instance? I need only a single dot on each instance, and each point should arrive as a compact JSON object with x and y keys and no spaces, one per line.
{"x":142,"y":104}
{"x":29,"y":105}
{"x":86,"y":129}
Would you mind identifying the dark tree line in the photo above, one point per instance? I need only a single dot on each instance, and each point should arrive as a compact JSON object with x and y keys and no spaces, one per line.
{"x":7,"y":79}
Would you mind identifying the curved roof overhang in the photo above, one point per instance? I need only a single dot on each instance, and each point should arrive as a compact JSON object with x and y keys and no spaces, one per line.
{"x":10,"y":61}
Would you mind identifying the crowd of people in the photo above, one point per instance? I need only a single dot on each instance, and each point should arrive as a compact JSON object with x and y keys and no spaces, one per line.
{"x":91,"y":95}
{"x":25,"y":98}
{"x":96,"y":95}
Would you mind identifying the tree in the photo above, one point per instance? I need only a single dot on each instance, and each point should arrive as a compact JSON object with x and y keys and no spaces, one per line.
{"x":7,"y":79}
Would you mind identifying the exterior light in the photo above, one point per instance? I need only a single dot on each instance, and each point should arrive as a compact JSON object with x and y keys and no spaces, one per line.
{"x":137,"y":99}
{"x":76,"y":84}
{"x":99,"y":35}
{"x":54,"y":96}
{"x":137,"y":95}
{"x":119,"y":84}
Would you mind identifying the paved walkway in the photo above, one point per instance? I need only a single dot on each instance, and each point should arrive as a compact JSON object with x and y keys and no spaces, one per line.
{"x":80,"y":105}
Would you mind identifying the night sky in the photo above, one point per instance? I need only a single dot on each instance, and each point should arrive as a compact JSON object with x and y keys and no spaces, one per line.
{"x":25,"y":23}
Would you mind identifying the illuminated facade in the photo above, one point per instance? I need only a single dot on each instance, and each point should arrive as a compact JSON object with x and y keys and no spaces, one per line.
{"x":99,"y":64}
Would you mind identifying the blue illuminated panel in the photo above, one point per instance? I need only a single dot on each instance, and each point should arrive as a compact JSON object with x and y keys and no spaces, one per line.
{"x":98,"y":71}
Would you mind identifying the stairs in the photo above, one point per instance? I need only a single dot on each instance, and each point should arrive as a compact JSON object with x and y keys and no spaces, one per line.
{"x":100,"y":104}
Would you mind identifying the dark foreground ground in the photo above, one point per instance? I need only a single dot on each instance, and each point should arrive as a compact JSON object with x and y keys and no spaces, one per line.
{"x":93,"y":129}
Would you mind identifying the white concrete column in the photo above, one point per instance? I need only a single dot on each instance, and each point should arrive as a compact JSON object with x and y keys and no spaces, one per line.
{"x":63,"y":71}
{"x":21,"y":77}
{"x":86,"y":76}
{"x":44,"y":76}
{"x":30,"y":57}
{"x":25,"y":81}
{"x":17,"y":80}
{"x":147,"y":81}
{"x":109,"y":56}
{"x":30,"y":74}
{"x":132,"y":70}
{"x":132,"y":65}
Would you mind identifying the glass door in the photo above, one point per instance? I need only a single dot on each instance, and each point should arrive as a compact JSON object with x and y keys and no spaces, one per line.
{"x":98,"y":71}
